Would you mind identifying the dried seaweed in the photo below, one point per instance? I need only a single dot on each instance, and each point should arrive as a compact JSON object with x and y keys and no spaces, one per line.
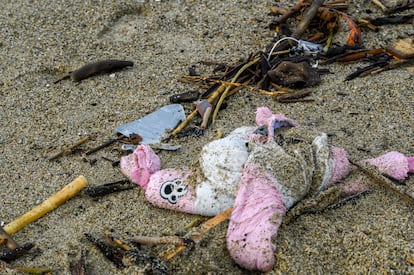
{"x":109,"y":188}
{"x":16,"y":252}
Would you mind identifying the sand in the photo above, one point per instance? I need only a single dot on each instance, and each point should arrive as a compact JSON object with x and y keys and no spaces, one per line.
{"x":43,"y":40}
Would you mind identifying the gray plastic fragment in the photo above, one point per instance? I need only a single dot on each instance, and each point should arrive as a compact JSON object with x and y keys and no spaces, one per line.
{"x":153,"y":127}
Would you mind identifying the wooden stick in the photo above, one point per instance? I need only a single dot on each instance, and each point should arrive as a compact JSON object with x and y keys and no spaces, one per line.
{"x":48,"y":205}
{"x":379,"y":4}
{"x":374,"y":174}
{"x":71,"y":147}
{"x":160,"y":240}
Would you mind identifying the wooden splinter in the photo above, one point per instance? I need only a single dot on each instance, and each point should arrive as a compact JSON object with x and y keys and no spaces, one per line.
{"x":48,"y":205}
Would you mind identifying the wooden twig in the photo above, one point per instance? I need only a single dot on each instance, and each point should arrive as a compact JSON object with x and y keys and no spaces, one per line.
{"x":160,"y":240}
{"x":307,"y":18}
{"x":104,"y":145}
{"x":379,"y":4}
{"x":68,"y":149}
{"x":281,"y":90}
{"x":48,"y":205}
{"x":205,"y":227}
{"x":383,"y":181}
{"x":115,"y":241}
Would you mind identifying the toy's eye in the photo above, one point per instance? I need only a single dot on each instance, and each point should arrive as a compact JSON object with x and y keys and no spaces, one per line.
{"x":173,"y":190}
{"x":168,"y":189}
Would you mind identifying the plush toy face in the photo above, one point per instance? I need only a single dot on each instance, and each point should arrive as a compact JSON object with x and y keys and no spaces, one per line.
{"x":173,"y":190}
{"x":168,"y":188}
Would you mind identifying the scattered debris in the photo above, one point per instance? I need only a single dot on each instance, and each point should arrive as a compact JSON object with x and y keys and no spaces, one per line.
{"x":123,"y":255}
{"x":292,"y":61}
{"x":204,"y":228}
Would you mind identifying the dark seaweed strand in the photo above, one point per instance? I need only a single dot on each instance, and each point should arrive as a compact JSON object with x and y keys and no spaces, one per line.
{"x":99,"y":67}
{"x":109,"y":188}
{"x":111,"y":253}
{"x":139,"y":257}
{"x":16,"y":253}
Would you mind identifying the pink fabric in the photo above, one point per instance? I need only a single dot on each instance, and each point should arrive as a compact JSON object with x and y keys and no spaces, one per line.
{"x":256,"y":217}
{"x":181,"y":199}
{"x":353,"y":188}
{"x":341,"y":165}
{"x":410,"y":164}
{"x":140,"y":165}
{"x":393,"y":164}
{"x":265,"y":117}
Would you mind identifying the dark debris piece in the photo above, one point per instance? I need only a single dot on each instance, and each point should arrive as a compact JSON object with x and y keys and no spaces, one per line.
{"x":393,"y":19}
{"x":79,"y":268}
{"x":191,"y":132}
{"x":16,"y":253}
{"x":139,"y":257}
{"x":113,"y":254}
{"x":360,"y":71}
{"x":109,"y":188}
{"x":190,"y":96}
{"x":295,"y":75}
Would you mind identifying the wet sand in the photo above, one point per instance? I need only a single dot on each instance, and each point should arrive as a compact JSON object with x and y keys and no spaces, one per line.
{"x":43,"y":40}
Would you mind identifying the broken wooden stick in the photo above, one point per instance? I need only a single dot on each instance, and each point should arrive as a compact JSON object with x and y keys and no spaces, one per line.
{"x":205,"y":227}
{"x":71,"y":147}
{"x":48,"y":205}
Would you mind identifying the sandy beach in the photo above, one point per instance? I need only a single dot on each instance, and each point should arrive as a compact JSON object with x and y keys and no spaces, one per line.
{"x":41,"y":41}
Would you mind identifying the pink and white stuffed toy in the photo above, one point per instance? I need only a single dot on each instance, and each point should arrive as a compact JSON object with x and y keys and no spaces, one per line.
{"x":261,"y":171}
